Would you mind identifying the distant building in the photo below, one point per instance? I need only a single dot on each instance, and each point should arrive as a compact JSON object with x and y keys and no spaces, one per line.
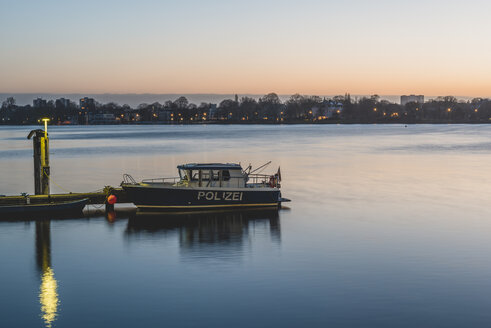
{"x":87,"y":104}
{"x":62,"y":103}
{"x":165,"y":115}
{"x":101,"y":118}
{"x":420,"y":99}
{"x":327,"y":109}
{"x":334,"y":109}
{"x":213,"y":112}
{"x":39,"y":103}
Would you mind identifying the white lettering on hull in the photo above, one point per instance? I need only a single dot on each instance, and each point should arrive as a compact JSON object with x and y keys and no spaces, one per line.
{"x":225,"y":195}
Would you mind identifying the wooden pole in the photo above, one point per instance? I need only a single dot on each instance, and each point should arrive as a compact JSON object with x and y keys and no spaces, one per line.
{"x":40,"y":144}
{"x":45,"y":174}
{"x":36,"y":143}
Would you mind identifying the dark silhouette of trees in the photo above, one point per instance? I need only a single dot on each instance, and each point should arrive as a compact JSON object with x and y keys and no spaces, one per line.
{"x":295,"y":107}
{"x":228,"y":110}
{"x":248,"y":109}
{"x":181,"y":102}
{"x":270,"y":106}
{"x":267,"y":109}
{"x":9,"y":103}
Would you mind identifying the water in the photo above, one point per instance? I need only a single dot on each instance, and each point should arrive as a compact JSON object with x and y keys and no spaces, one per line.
{"x":389,"y":226}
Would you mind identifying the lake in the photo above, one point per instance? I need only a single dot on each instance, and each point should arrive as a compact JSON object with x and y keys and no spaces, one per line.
{"x":389,"y":226}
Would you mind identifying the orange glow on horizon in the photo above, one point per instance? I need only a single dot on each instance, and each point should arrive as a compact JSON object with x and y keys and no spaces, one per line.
{"x":254,"y":76}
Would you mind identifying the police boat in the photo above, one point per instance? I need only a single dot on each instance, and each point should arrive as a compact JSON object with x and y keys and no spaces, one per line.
{"x":206,"y":186}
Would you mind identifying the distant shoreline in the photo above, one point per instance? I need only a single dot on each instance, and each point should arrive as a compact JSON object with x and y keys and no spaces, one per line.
{"x":268,"y":109}
{"x":134,"y":99}
{"x":265,"y":123}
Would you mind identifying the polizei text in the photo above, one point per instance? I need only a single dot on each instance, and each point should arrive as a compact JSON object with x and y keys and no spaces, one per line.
{"x":220,"y":195}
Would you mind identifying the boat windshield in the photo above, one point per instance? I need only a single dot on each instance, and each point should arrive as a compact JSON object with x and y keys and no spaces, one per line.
{"x":206,"y":175}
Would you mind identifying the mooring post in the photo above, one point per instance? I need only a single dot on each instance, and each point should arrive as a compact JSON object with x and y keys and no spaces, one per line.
{"x":40,"y":144}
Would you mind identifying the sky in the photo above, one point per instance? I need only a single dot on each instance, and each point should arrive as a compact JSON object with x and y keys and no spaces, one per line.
{"x":229,"y":46}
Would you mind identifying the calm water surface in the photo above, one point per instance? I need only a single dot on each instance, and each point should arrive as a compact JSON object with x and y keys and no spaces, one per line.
{"x":390,"y":226}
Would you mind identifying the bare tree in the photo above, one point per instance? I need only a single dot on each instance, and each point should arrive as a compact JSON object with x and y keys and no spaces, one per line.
{"x":9,"y":103}
{"x":181,"y":102}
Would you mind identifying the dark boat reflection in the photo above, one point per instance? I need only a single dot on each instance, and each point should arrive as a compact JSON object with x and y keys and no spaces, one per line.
{"x":214,"y":235}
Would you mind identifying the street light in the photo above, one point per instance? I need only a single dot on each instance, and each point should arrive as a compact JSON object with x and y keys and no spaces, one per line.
{"x":45,"y":120}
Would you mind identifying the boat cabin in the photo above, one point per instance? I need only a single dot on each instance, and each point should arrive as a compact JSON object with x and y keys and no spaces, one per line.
{"x":212,"y":175}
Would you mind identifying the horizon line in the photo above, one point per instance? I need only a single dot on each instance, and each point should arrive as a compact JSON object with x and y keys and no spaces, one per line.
{"x":239,"y":94}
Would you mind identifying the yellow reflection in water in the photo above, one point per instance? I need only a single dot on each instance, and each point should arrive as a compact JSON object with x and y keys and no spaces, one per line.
{"x":48,"y":296}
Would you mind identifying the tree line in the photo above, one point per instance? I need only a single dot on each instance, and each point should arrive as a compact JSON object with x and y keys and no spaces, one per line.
{"x":267,"y":109}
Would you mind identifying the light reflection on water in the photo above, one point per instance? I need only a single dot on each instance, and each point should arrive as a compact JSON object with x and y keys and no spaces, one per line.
{"x":48,"y":297}
{"x":48,"y":291}
{"x":389,"y":226}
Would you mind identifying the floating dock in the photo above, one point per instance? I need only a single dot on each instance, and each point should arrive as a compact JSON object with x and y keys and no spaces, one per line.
{"x":94,"y":197}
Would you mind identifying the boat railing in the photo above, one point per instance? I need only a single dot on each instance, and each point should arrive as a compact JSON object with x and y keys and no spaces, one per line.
{"x":259,"y":179}
{"x":162,"y":180}
{"x":128,"y":179}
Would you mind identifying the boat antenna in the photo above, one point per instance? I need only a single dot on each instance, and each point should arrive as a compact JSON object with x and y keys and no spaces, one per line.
{"x":248,"y":168}
{"x":262,"y":166}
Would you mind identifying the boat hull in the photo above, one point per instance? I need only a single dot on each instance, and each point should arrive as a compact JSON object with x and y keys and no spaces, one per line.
{"x":43,"y":210}
{"x":171,"y":198}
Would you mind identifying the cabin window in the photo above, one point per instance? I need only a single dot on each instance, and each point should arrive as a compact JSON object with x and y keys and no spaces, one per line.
{"x":225,"y":175}
{"x":195,"y":175}
{"x":215,"y":175}
{"x":206,"y":175}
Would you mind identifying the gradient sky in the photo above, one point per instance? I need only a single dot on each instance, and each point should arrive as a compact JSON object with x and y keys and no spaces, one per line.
{"x":312,"y":47}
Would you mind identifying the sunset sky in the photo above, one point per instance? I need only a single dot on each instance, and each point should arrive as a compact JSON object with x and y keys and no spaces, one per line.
{"x":312,"y":47}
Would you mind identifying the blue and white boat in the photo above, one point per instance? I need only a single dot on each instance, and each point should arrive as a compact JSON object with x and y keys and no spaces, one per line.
{"x":206,"y":186}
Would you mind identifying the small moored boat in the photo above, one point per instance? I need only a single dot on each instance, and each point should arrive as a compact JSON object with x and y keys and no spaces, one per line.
{"x":206,"y":186}
{"x":52,"y":208}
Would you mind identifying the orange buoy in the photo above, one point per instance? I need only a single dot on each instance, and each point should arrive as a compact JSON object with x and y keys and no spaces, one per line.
{"x":112,"y":199}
